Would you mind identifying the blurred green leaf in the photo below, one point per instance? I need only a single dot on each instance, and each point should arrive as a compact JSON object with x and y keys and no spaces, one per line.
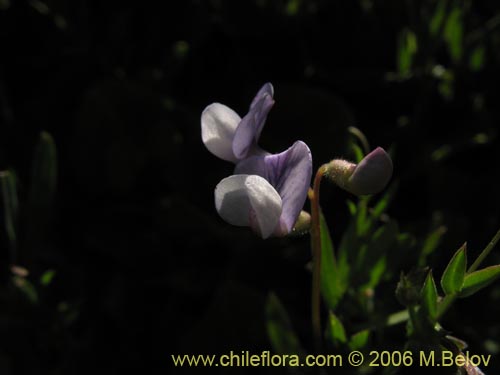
{"x":437,"y":18}
{"x":353,"y":208}
{"x":407,"y":49}
{"x":42,"y":191}
{"x":279,"y":328}
{"x":180,"y":49}
{"x":454,"y":274}
{"x":443,"y":151}
{"x":359,"y":340}
{"x":430,"y":296}
{"x":363,"y":222}
{"x":4,"y":4}
{"x":376,"y":252}
{"x":453,"y":33}
{"x":47,"y":277}
{"x":431,"y":243}
{"x":358,"y":152}
{"x":333,"y":279}
{"x":476,"y":60}
{"x":358,"y":143}
{"x":10,"y":208}
{"x":336,"y":330}
{"x":477,"y":280}
{"x":292,"y":7}
{"x":27,"y":288}
{"x":381,"y":206}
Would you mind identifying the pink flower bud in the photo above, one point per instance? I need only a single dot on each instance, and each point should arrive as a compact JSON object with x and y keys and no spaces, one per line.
{"x":370,"y":176}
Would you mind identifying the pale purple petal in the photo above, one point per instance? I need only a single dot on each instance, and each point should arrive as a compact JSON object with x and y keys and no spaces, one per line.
{"x":372,"y":174}
{"x":267,"y":88}
{"x":218,"y":126}
{"x":289,"y":173}
{"x":249,"y":129}
{"x":249,"y":200}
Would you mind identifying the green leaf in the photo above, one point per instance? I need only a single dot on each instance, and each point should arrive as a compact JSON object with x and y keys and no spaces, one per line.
{"x":47,"y":277}
{"x":363,"y":222}
{"x":476,"y":60}
{"x":359,"y":340}
{"x":453,"y":33}
{"x":10,"y":208}
{"x":431,"y":243}
{"x":292,"y":7}
{"x":353,"y":208}
{"x":477,"y":280}
{"x":358,"y":152}
{"x":454,"y":274}
{"x":42,"y":192}
{"x":279,"y":328}
{"x":381,"y":206}
{"x":437,"y":18}
{"x":430,"y":296}
{"x":333,"y":285}
{"x":26,"y":288}
{"x":407,"y":49}
{"x":336,"y":330}
{"x":375,"y":257}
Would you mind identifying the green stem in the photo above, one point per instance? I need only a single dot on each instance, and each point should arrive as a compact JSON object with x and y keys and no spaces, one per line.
{"x":445,"y":304}
{"x":484,"y":253}
{"x":316,"y":250}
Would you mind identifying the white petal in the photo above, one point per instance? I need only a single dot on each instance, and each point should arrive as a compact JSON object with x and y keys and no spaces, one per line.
{"x":266,"y":204}
{"x":249,"y":200}
{"x":218,"y":124}
{"x":231,"y":200}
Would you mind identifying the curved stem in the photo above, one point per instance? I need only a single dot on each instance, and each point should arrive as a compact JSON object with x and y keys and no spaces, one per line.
{"x":316,"y":250}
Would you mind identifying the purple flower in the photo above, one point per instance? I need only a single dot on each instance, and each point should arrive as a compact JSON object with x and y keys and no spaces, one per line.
{"x":230,"y":137}
{"x":267,"y":192}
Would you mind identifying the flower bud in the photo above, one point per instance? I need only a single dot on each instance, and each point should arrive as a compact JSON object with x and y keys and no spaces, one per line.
{"x":370,"y":176}
{"x":303,"y":224}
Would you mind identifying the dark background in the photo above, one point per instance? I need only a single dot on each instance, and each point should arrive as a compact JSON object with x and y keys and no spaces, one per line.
{"x":144,"y":267}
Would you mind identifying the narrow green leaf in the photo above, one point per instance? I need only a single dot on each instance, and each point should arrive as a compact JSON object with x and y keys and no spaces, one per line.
{"x":352,"y":207}
{"x":47,"y":277}
{"x":430,"y":296}
{"x":10,"y":209}
{"x":476,"y":60}
{"x":437,"y":18}
{"x":363,"y":222}
{"x":397,"y":318}
{"x":381,"y":206}
{"x":44,"y":168}
{"x":42,"y":192}
{"x":453,"y":33}
{"x":279,"y":328}
{"x":454,"y":274}
{"x":333,"y":284}
{"x":375,"y":258}
{"x":359,"y":340}
{"x":26,"y":288}
{"x":477,"y":280}
{"x":336,"y":331}
{"x":358,"y":152}
{"x":431,"y":243}
{"x":407,"y":49}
